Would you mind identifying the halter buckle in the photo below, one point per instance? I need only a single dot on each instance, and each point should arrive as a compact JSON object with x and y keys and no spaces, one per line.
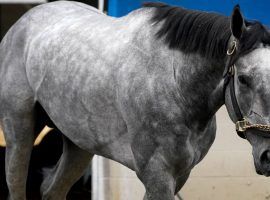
{"x":241,"y":126}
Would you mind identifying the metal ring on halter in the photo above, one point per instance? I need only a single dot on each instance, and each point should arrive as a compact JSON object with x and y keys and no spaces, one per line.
{"x":241,"y":125}
{"x":232,"y":49}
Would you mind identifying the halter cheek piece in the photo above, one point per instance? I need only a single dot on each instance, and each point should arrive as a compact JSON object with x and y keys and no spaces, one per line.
{"x":242,"y":124}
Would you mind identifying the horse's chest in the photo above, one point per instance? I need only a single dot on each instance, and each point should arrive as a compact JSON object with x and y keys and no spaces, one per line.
{"x":201,"y":140}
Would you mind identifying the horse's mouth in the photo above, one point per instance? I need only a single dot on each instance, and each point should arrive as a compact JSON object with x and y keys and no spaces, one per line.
{"x":266,"y":173}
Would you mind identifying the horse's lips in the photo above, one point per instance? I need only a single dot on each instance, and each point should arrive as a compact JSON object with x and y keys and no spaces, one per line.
{"x":267,"y":174}
{"x":264,"y":173}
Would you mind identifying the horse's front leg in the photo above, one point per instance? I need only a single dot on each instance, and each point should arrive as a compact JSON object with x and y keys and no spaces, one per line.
{"x":69,"y":169}
{"x":160,"y":188}
{"x":159,"y":159}
{"x":179,"y":183}
{"x":154,"y":172}
{"x":158,"y":180}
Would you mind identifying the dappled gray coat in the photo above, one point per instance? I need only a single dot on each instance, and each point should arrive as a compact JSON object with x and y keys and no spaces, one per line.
{"x":115,"y":88}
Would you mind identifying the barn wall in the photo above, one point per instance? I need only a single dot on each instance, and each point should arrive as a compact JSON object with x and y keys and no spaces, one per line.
{"x":226,"y":173}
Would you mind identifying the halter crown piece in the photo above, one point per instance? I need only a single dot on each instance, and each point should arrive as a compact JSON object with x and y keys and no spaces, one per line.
{"x":242,"y":124}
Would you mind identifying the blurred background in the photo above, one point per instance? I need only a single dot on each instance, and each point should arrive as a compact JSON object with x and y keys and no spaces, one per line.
{"x":227,"y":172}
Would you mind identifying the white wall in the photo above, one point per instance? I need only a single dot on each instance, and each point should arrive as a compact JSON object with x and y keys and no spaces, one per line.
{"x":227,"y":172}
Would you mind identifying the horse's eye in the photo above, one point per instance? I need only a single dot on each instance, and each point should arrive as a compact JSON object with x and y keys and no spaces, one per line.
{"x":244,"y":80}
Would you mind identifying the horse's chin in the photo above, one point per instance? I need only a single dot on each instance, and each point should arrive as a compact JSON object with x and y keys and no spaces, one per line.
{"x":267,"y":174}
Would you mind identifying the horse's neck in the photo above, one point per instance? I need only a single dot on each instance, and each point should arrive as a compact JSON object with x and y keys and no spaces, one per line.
{"x":201,"y":85}
{"x":199,"y":79}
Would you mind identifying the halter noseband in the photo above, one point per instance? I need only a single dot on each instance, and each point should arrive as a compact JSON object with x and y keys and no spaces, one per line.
{"x":242,"y":124}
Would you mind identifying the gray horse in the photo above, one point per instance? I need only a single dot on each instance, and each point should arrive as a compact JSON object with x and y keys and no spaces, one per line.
{"x":142,"y":90}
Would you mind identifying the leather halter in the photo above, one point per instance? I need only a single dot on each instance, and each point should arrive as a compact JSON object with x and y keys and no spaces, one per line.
{"x":242,"y":124}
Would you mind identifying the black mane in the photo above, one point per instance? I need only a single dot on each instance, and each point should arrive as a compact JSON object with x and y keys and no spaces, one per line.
{"x":204,"y":33}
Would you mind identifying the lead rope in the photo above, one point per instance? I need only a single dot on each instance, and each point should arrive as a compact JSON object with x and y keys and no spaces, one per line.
{"x":261,"y":127}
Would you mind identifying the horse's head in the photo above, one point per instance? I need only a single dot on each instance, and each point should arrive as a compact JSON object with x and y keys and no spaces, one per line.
{"x":247,"y":95}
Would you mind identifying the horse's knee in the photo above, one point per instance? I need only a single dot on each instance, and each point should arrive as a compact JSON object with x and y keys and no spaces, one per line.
{"x":159,"y":185}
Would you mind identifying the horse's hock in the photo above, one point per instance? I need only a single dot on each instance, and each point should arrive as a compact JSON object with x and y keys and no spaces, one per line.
{"x":226,"y":173}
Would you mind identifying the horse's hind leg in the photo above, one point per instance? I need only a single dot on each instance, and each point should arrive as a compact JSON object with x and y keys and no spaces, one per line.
{"x":68,"y":170}
{"x":18,"y":128}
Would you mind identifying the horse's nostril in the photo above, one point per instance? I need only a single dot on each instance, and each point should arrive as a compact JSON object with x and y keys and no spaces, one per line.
{"x":268,"y":155}
{"x":265,"y":158}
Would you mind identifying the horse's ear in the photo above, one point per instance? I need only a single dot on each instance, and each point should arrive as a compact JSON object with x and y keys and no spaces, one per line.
{"x":237,"y":22}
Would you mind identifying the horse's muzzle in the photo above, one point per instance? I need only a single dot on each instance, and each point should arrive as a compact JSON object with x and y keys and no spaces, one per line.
{"x":263,"y":163}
